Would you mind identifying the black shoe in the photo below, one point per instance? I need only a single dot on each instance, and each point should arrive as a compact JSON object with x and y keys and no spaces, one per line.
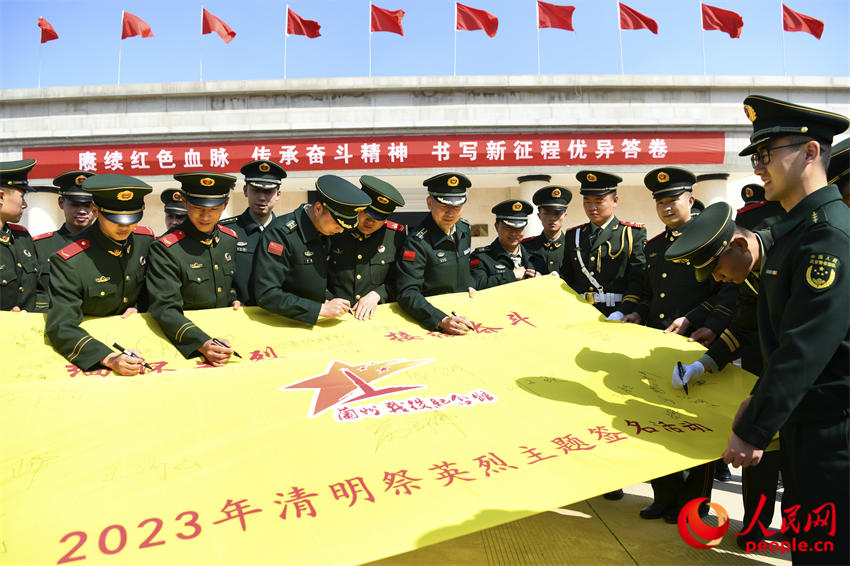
{"x":613,"y":495}
{"x":654,"y":511}
{"x":721,"y":472}
{"x":671,"y":515}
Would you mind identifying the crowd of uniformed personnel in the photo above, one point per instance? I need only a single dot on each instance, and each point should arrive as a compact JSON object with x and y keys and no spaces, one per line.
{"x":699,"y":277}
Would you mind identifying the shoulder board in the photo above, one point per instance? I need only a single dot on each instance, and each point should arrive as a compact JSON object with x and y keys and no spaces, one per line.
{"x":230,"y":220}
{"x":227,"y":231}
{"x":751,"y":206}
{"x":291,"y":224}
{"x":144,"y":230}
{"x":73,"y":248}
{"x":633,"y":224}
{"x":577,"y":227}
{"x":397,"y":227}
{"x":421,"y":233}
{"x":655,"y":237}
{"x":530,"y":238}
{"x":42,"y":236}
{"x":18,"y":228}
{"x":172,"y":238}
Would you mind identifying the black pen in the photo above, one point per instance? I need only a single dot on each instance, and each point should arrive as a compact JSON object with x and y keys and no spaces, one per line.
{"x":220,"y":343}
{"x":463,"y":323}
{"x":132,"y":355}
{"x":681,"y":375}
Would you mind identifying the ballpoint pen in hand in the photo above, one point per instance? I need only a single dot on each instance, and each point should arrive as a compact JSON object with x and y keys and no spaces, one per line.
{"x":220,"y":343}
{"x":681,"y":375}
{"x":132,"y":355}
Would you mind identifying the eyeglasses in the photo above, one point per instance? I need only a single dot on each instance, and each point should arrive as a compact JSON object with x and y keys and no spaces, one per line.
{"x":763,"y":155}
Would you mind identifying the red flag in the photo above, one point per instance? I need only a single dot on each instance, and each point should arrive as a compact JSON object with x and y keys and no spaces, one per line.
{"x":210,"y":23}
{"x":134,"y":25}
{"x":723,"y":20}
{"x":795,"y":21}
{"x":47,"y":31}
{"x":386,"y":20}
{"x":296,"y":25}
{"x":471,"y":18}
{"x":554,"y":16}
{"x":632,"y":19}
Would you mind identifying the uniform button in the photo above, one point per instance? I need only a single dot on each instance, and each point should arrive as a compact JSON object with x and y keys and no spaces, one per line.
{"x":102,"y":293}
{"x":199,"y":279}
{"x":19,"y":265}
{"x":124,"y":300}
{"x":661,"y":295}
{"x":359,"y":256}
{"x":127,"y":277}
{"x":551,"y":262}
{"x":661,"y":315}
{"x":218,"y":289}
{"x":4,"y":282}
{"x":215,"y":267}
{"x":663,"y":275}
{"x":593,"y":273}
{"x":358,"y":276}
{"x":21,"y":289}
{"x":357,"y":297}
{"x":592,"y":258}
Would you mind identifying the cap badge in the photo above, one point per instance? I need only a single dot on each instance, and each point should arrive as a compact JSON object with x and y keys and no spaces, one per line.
{"x":383,"y":200}
{"x":804,"y":129}
{"x":663,"y":177}
{"x":556,"y":193}
{"x":748,"y":192}
{"x":207,"y":182}
{"x":175,"y":196}
{"x":79,"y":180}
{"x":516,"y":207}
{"x":453,"y":181}
{"x":591,"y":178}
{"x":125,"y":195}
{"x":750,"y":112}
{"x":264,"y":167}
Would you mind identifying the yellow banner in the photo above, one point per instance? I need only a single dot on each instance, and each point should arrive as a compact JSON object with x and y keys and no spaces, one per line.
{"x":344,"y":442}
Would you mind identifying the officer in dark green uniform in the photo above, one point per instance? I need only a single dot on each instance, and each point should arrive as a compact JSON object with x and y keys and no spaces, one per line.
{"x":175,"y":211}
{"x":757,"y":211}
{"x":547,"y":249}
{"x":192,"y":266}
{"x":670,"y":290}
{"x":435,"y":257}
{"x":506,"y":259}
{"x":101,"y":273}
{"x":291,"y":263}
{"x":604,"y":260}
{"x":733,"y":254}
{"x":803,"y":320}
{"x":838,"y":172}
{"x":19,"y":269}
{"x":362,"y":261}
{"x":262,"y":188}
{"x":76,"y":204}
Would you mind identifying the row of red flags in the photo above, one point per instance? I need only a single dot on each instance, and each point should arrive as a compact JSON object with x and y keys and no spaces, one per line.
{"x":548,"y":16}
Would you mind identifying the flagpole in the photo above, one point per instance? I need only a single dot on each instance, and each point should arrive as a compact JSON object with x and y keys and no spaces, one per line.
{"x":620,"y":34}
{"x":285,"y":34}
{"x":454,"y":52}
{"x":370,"y":39}
{"x":40,"y":46}
{"x":538,"y":38}
{"x":119,"y":48}
{"x":782,"y":27}
{"x":201,"y":44}
{"x":702,"y":36}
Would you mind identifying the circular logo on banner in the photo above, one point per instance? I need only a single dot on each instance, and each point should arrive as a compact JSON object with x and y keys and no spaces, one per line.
{"x":591,"y":177}
{"x":556,"y":193}
{"x":453,"y":181}
{"x":383,"y":200}
{"x":689,"y":517}
{"x":663,"y":177}
{"x":79,"y":180}
{"x":124,"y":195}
{"x":517,"y":206}
{"x":207,"y":182}
{"x":750,"y":112}
{"x":264,"y":167}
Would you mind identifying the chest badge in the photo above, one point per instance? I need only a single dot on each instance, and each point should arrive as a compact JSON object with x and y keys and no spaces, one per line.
{"x":102,"y":279}
{"x":337,"y":251}
{"x":27,"y":253}
{"x":382,"y":248}
{"x":308,"y":253}
{"x":142,"y":260}
{"x":441,"y":254}
{"x":196,"y":265}
{"x":227,"y":256}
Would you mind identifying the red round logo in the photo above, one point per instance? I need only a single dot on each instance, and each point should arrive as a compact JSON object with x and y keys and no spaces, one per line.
{"x":689,"y":517}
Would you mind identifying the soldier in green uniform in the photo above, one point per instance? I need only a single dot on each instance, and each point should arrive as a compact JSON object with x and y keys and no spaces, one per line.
{"x":191,"y":267}
{"x":838,"y":172}
{"x":101,"y":273}
{"x":76,"y":204}
{"x":757,"y":211}
{"x":670,"y":290}
{"x":604,"y":260}
{"x":175,"y":211}
{"x":262,"y":188}
{"x":732,"y":253}
{"x":506,"y":259}
{"x":803,"y":321}
{"x":362,"y":261}
{"x":547,"y":249}
{"x":291,"y":263}
{"x":435,"y":257}
{"x":19,"y":269}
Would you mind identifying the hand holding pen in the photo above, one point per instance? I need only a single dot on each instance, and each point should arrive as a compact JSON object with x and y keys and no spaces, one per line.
{"x":455,"y":325}
{"x":124,"y":361}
